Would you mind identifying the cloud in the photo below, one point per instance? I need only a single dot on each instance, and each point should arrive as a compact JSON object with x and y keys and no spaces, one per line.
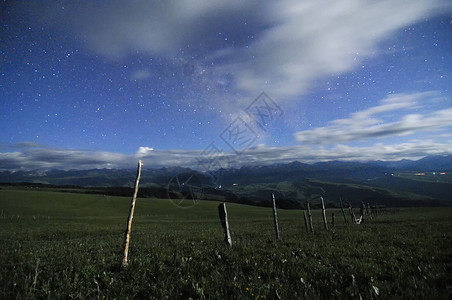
{"x":66,"y":159}
{"x":140,"y":75}
{"x":364,"y":124}
{"x":410,"y":150}
{"x":311,"y":39}
{"x":117,"y":28}
{"x":276,"y":46}
{"x":39,"y":157}
{"x":142,"y":151}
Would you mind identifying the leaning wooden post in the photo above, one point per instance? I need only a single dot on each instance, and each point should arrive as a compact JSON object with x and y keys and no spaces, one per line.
{"x":325,"y":222}
{"x":343,"y":213}
{"x":125,"y":262}
{"x":275,"y":217}
{"x":306,"y":221}
{"x":310,"y":218}
{"x":225,"y":223}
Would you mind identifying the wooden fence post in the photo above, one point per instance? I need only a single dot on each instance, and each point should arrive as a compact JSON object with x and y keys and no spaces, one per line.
{"x":275,"y":217}
{"x":310,"y":218}
{"x":376,"y":210}
{"x":125,"y":261}
{"x":333,"y":220}
{"x":225,"y":223}
{"x":343,"y":213}
{"x":369,"y":211}
{"x":352,"y":214}
{"x":306,"y":221}
{"x":325,"y":221}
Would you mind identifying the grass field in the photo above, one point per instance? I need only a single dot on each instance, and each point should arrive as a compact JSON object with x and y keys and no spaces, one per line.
{"x":63,"y":245}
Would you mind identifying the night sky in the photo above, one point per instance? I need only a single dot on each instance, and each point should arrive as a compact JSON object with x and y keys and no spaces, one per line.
{"x":206,"y":84}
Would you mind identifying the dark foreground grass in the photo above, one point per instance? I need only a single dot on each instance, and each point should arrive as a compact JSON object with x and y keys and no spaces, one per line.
{"x":60,"y":245}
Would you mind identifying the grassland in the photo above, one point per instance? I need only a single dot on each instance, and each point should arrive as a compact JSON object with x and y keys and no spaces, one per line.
{"x":63,"y":245}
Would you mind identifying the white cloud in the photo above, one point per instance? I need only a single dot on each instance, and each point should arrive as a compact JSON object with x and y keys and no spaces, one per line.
{"x":64,"y":159}
{"x":365,"y":125}
{"x":311,"y":39}
{"x":116,"y":28}
{"x":140,"y":75}
{"x":279,"y":46}
{"x":142,"y":151}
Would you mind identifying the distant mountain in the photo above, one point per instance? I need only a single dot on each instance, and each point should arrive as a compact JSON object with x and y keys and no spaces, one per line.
{"x":391,"y":183}
{"x":94,"y":177}
{"x":433,"y":163}
{"x":400,"y":164}
{"x":427,"y":164}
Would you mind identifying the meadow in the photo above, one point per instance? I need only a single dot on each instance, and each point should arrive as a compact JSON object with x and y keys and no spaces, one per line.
{"x":69,"y":245}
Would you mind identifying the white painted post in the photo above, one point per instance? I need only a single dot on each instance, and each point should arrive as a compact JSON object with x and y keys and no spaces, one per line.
{"x":125,"y":262}
{"x":225,"y":223}
{"x":325,"y":222}
{"x":275,"y":217}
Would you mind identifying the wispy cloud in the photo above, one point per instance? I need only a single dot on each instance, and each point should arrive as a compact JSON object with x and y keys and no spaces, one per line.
{"x":276,"y":46}
{"x":311,"y":39}
{"x":370,"y":123}
{"x":65,"y":159}
{"x":140,"y":75}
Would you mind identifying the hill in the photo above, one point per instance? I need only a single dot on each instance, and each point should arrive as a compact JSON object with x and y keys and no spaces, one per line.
{"x":425,"y":182}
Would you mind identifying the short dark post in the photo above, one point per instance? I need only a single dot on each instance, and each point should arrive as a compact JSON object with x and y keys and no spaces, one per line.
{"x":333,"y":220}
{"x":352,"y":214}
{"x":275,"y":217}
{"x":343,"y":213}
{"x":325,"y":222}
{"x":376,"y":209}
{"x":225,"y":223}
{"x":306,"y":221}
{"x":310,"y":218}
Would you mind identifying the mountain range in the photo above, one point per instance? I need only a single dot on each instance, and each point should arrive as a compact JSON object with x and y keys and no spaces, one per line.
{"x":425,"y":182}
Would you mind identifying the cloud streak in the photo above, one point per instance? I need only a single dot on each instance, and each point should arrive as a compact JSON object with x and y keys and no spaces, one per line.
{"x":38,"y":158}
{"x":319,"y":144}
{"x":312,"y":39}
{"x":280,"y":46}
{"x":365,"y":125}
